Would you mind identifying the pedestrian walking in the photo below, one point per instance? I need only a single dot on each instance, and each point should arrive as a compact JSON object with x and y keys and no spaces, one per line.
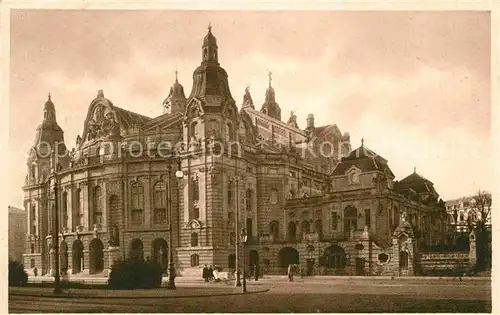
{"x":290,"y":273}
{"x":210,"y":273}
{"x":205,"y":273}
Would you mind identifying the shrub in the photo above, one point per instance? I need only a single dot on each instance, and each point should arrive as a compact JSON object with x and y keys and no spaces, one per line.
{"x":17,"y":275}
{"x":135,"y":274}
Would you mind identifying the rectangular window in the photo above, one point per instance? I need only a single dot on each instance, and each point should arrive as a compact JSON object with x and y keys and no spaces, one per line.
{"x":230,"y":195}
{"x":160,"y":216}
{"x":230,"y":218}
{"x":368,"y":219}
{"x":335,"y":221}
{"x":137,"y":216}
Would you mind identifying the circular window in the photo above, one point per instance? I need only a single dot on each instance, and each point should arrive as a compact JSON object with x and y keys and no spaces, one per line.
{"x":383,"y":258}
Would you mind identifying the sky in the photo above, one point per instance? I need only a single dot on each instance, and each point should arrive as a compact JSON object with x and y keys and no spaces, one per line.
{"x":414,"y":85}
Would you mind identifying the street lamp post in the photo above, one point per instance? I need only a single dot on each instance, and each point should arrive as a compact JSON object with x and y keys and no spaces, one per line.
{"x":171,"y":269}
{"x":244,"y":237}
{"x":235,"y":180}
{"x":57,"y":279}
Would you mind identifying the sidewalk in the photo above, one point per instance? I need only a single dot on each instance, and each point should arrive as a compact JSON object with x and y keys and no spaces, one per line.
{"x":180,"y":292}
{"x":187,"y":281}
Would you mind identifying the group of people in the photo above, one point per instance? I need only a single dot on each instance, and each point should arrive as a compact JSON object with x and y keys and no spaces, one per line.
{"x":210,"y":274}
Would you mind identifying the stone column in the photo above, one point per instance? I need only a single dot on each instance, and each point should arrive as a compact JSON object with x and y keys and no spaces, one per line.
{"x":52,"y":263}
{"x":86,"y":262}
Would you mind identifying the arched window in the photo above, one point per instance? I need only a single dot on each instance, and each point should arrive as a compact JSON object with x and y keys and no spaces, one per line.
{"x":195,"y":188}
{"x":403,"y":260}
{"x":79,"y":207}
{"x":33,"y":219}
{"x":274,"y":229}
{"x":230,"y":194}
{"x":33,"y":172}
{"x":350,"y":220}
{"x":273,"y":196}
{"x":194,"y":239}
{"x":97,"y":213}
{"x":248,"y":200}
{"x":32,"y":263}
{"x":137,"y":193}
{"x":229,"y":132}
{"x":195,"y":260}
{"x":65,"y":209}
{"x":159,"y":196}
{"x":32,"y":248}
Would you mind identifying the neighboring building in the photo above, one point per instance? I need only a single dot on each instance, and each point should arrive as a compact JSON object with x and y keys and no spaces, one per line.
{"x":17,"y":233}
{"x":296,"y":204}
{"x":459,"y":211}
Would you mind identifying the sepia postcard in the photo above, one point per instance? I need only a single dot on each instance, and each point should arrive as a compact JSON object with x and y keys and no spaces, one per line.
{"x":249,"y":158}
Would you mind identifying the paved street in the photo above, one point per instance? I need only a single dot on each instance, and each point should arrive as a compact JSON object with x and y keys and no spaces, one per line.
{"x":302,"y":295}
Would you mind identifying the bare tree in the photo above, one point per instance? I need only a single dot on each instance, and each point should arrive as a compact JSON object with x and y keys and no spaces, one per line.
{"x":478,"y":217}
{"x":478,"y":220}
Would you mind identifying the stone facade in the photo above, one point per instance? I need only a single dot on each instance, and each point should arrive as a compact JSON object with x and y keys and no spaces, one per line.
{"x":123,"y":192}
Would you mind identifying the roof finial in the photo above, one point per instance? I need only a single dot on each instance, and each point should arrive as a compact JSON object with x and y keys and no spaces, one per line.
{"x":362,"y":142}
{"x":176,"y":73}
{"x":100,"y":93}
{"x":414,"y":170}
{"x":209,"y":27}
{"x":49,"y":96}
{"x":270,"y":74}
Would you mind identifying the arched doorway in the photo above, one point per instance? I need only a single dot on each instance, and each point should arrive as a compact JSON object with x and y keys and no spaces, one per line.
{"x":96,"y":258}
{"x":136,"y":249}
{"x":63,"y":257}
{"x":77,"y":259}
{"x":160,"y":252}
{"x":288,"y":256}
{"x":335,"y":257}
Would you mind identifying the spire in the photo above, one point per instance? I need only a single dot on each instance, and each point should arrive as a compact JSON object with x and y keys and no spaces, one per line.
{"x":414,"y":170}
{"x":49,"y":110}
{"x":176,"y":99}
{"x":270,"y":107}
{"x":209,"y":47}
{"x":362,"y":142}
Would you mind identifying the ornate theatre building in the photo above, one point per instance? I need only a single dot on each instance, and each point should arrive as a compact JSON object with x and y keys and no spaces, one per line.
{"x":185,"y":183}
